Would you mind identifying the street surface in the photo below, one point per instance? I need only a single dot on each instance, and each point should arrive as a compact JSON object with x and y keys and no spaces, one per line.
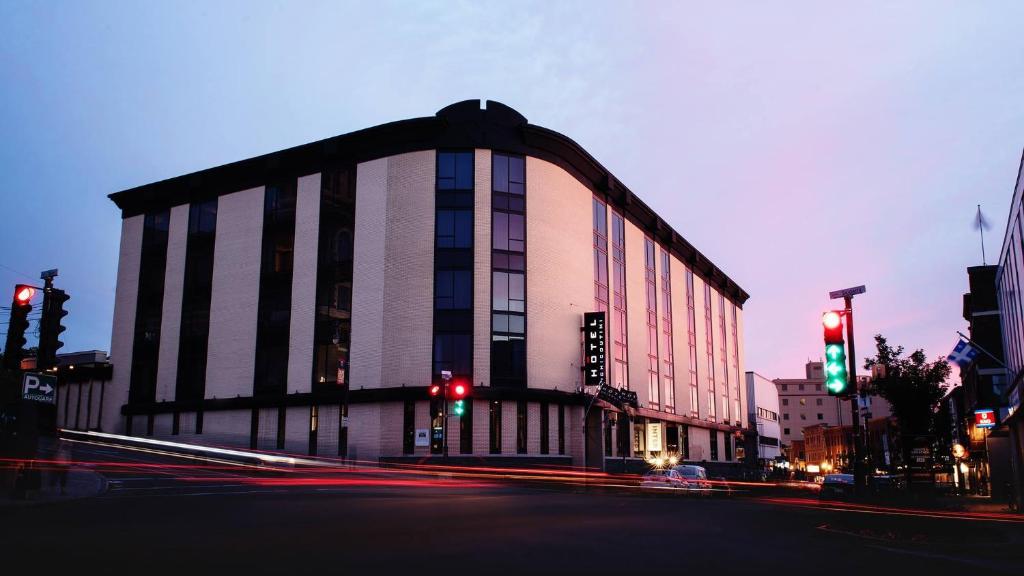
{"x":166,"y":514}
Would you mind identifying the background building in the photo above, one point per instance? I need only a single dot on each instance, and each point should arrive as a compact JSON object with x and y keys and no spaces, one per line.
{"x":305,"y":300}
{"x":763,"y":414}
{"x":1009,"y":286}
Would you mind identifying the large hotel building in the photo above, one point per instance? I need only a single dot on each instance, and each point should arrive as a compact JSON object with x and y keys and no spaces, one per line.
{"x":305,"y":300}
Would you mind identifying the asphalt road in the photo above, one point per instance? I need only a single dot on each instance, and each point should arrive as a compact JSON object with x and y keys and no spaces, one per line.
{"x":166,"y":515}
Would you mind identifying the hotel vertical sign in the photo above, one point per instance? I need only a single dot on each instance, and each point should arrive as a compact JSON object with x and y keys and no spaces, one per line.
{"x":594,"y":348}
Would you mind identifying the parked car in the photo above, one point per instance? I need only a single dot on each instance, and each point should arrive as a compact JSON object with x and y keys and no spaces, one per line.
{"x":837,"y":486}
{"x":667,"y":479}
{"x":696,"y":477}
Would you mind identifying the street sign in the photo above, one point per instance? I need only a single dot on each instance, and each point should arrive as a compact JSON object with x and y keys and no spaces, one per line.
{"x":422,"y":437}
{"x":617,"y":396}
{"x":836,"y":294}
{"x":39,"y":388}
{"x":654,"y":436}
{"x":594,"y":361}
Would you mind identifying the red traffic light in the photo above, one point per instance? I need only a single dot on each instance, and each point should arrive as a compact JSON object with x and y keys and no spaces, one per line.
{"x":23,"y":294}
{"x":459,"y":390}
{"x":831,"y":319}
{"x":435,"y":390}
{"x":833,"y":323}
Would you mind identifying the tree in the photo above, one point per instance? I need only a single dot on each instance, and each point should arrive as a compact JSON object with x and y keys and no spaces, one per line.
{"x":911,"y":385}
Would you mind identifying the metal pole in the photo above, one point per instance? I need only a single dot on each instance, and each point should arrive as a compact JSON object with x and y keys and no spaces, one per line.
{"x":445,"y":377}
{"x":858,"y":472}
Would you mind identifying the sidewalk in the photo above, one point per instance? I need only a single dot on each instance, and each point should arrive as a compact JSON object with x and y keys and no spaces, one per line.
{"x":79,"y":482}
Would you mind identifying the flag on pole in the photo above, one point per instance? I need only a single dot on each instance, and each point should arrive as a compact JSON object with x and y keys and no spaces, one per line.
{"x":963,"y":353}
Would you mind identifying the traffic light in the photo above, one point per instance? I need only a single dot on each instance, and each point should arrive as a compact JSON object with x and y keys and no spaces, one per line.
{"x":837,"y":381}
{"x":434,"y":390}
{"x":459,"y":390}
{"x":50,"y":327}
{"x":21,"y":305}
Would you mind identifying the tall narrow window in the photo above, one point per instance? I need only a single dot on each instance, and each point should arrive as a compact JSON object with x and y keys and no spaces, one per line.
{"x":149,"y":308}
{"x":714,"y":444}
{"x":651,"y":293}
{"x":333,"y":328}
{"x":195,"y":301}
{"x":723,"y":358}
{"x":691,"y":338}
{"x":735,"y":367}
{"x":667,"y":353}
{"x":453,"y":265}
{"x":275,"y":304}
{"x":620,"y":352}
{"x":508,"y":277}
{"x":709,"y":331}
{"x":495,"y":426}
{"x":600,"y":256}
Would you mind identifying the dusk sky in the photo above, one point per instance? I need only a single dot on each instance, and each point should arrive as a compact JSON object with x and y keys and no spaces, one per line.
{"x":801,"y":147}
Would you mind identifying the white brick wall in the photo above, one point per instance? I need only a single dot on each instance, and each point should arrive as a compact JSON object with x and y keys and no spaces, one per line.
{"x":368,"y":275}
{"x":123,"y":332}
{"x":296,"y":430}
{"x":327,"y":431}
{"x":170,"y":320}
{"x":508,"y":427}
{"x":482,"y":270}
{"x":409,"y":270}
{"x":227,"y":428}
{"x":636,"y":312}
{"x":365,"y":432}
{"x":390,"y":428}
{"x":303,"y":314}
{"x":235,"y":300}
{"x":163,"y":424}
{"x":533,"y":428}
{"x":481,"y":427}
{"x":559,"y":274}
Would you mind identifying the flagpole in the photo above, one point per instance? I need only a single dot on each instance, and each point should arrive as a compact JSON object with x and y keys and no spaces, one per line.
{"x":981,"y":230}
{"x":987,"y":353}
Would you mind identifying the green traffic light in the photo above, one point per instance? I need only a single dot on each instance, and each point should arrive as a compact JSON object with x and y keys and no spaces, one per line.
{"x":460,"y":408}
{"x":833,"y":351}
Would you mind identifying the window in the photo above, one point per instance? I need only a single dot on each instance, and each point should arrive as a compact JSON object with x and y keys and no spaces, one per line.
{"x":273,"y":328}
{"x":728,"y":446}
{"x":785,"y":430}
{"x":800,"y":386}
{"x":495,"y":426}
{"x":817,"y":387}
{"x":195,"y":302}
{"x":651,"y":292}
{"x":818,"y":401}
{"x":545,"y":428}
{"x":735,"y":364}
{"x":714,"y":444}
{"x":620,"y":342}
{"x":684,"y":441}
{"x":149,"y":308}
{"x":785,"y":415}
{"x":453,"y":264}
{"x":455,"y":171}
{"x":723,"y":359}
{"x":453,"y":290}
{"x":454,"y":229}
{"x":521,"y":427}
{"x":600,"y":218}
{"x":785,"y":401}
{"x":691,"y":322}
{"x":453,"y":352}
{"x":409,"y":427}
{"x":667,"y":354}
{"x":785,"y":387}
{"x":710,"y":350}
{"x":508,"y":278}
{"x":803,"y":416}
{"x":821,"y":416}
{"x":333,"y":328}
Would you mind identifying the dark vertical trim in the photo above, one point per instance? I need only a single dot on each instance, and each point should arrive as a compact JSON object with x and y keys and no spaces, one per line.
{"x":199,"y":421}
{"x":99,"y":417}
{"x":466,"y":429}
{"x":78,"y":409}
{"x":522,"y":427}
{"x":281,"y":415}
{"x":88,"y":408}
{"x":270,"y":378}
{"x":150,"y":420}
{"x":314,"y":425}
{"x":197,"y":293}
{"x":409,"y":427}
{"x":149,"y":307}
{"x":561,"y":429}
{"x":254,"y":429}
{"x":175,"y":423}
{"x":128,"y":426}
{"x":545,"y":428}
{"x":494,"y":428}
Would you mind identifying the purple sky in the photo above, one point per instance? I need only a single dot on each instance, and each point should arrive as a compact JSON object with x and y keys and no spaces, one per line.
{"x":742,"y":125}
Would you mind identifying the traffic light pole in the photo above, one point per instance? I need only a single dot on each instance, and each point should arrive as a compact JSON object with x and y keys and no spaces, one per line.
{"x":858,"y":468}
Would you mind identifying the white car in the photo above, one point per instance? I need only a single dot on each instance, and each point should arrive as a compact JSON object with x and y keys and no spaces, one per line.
{"x":664,"y":480}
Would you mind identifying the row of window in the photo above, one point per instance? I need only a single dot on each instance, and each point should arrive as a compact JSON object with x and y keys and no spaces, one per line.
{"x":800,"y":387}
{"x":803,"y":401}
{"x":1009,"y":287}
{"x":785,"y":416}
{"x":766,"y":414}
{"x":495,"y":428}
